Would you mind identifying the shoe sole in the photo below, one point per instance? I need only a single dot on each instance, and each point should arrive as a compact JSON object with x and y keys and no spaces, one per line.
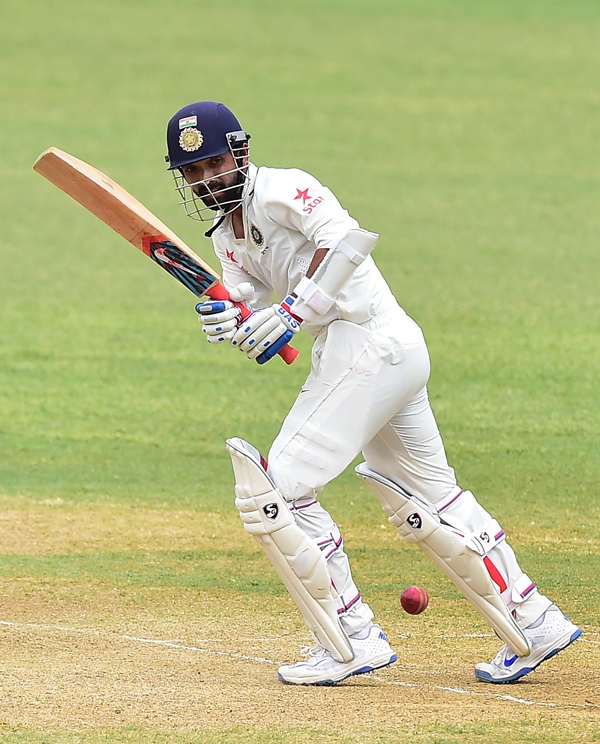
{"x":487,"y":677}
{"x":330,"y":682}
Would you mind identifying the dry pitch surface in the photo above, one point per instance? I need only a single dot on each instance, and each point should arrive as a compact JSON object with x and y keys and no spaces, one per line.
{"x":84,"y":655}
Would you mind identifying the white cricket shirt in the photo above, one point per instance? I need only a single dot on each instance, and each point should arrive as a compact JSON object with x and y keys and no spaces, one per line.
{"x":288,"y":215}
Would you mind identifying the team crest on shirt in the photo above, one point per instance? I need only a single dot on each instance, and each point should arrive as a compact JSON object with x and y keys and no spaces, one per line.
{"x":256,"y":236}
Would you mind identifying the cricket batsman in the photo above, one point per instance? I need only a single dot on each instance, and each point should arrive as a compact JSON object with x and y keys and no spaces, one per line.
{"x":280,"y":233}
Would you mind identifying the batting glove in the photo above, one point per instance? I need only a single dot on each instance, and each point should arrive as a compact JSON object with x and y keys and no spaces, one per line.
{"x":263,"y":333}
{"x":220,"y":319}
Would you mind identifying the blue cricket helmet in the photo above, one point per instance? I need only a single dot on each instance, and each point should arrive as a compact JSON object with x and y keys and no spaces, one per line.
{"x":202,"y":130}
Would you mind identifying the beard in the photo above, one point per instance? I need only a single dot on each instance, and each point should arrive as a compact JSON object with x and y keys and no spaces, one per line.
{"x":222,"y":195}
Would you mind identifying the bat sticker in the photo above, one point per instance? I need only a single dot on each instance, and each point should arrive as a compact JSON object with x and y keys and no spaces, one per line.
{"x":179,"y":264}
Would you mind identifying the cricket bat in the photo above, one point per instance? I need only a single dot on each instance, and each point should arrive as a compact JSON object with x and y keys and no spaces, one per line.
{"x":118,"y":209}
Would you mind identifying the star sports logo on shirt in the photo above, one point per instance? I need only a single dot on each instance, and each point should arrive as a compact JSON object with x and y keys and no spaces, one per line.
{"x":302,"y":195}
{"x":306,"y":197}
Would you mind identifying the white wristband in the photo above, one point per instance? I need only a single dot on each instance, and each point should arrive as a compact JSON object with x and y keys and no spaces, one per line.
{"x":315,"y":297}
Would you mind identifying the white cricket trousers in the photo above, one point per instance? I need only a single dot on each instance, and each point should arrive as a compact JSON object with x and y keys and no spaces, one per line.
{"x":366,"y":392}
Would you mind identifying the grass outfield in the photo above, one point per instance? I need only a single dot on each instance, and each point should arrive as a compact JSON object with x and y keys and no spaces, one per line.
{"x":132,"y":605}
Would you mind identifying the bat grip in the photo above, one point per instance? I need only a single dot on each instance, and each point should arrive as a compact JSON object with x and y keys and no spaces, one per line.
{"x":218,"y":292}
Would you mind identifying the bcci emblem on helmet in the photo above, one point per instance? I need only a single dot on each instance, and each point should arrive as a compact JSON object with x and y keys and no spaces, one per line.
{"x":191,"y":139}
{"x":202,"y":130}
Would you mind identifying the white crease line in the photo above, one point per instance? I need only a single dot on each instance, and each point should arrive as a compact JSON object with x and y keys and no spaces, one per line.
{"x":466,"y":635}
{"x":461,"y":691}
{"x":198,"y":649}
{"x":522,"y":701}
{"x":157,"y":642}
{"x":173,"y":644}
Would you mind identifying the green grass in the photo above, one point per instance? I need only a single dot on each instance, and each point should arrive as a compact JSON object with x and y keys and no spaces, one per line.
{"x":464,"y":132}
{"x":438,"y":733}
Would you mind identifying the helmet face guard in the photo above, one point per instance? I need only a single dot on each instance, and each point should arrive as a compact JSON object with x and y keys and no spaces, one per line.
{"x":200,"y":131}
{"x":200,"y":201}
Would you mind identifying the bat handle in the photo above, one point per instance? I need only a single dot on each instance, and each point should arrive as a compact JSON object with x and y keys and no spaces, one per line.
{"x":218,"y":292}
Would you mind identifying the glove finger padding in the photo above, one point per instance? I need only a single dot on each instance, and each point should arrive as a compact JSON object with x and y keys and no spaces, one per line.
{"x":219,"y":320}
{"x":258,"y":332}
{"x":214,"y":309}
{"x":275,"y":348}
{"x":270,"y":341}
{"x":270,"y":329}
{"x":227,"y":316}
{"x":220,"y":332}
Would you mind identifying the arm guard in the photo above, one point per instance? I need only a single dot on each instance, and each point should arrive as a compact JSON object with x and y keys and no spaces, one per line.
{"x":316,"y":295}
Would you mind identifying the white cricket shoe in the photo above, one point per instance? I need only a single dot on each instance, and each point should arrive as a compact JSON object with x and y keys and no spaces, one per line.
{"x":320,"y":668}
{"x":552,"y":633}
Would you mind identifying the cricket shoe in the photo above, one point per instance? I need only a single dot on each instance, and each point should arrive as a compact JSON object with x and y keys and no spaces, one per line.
{"x":320,"y":668}
{"x":549,"y":635}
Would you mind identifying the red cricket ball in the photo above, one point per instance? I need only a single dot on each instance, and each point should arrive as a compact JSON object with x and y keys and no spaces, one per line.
{"x":414,"y":600}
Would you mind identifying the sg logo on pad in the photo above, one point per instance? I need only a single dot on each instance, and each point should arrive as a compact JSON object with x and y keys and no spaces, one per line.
{"x":415,"y":521}
{"x":271,"y":511}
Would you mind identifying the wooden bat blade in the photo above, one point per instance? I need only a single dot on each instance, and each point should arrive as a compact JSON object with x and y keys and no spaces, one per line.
{"x":122,"y":212}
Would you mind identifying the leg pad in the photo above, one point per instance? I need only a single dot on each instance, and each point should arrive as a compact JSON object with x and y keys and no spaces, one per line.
{"x":297,"y":559}
{"x":460,"y":557}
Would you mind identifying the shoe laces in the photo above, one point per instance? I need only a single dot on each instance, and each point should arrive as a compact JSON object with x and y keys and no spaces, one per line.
{"x":504,"y":653}
{"x":308,"y":652}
